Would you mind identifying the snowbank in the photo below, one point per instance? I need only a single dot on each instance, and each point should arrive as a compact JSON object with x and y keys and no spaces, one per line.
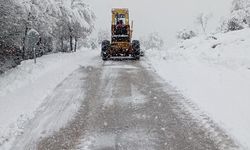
{"x":23,"y":89}
{"x":214,"y":73}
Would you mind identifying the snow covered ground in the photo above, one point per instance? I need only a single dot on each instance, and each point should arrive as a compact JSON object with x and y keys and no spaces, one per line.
{"x":214,"y":73}
{"x":24,"y":88}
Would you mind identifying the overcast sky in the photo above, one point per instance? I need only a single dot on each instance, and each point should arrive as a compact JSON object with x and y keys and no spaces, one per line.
{"x":163,"y":16}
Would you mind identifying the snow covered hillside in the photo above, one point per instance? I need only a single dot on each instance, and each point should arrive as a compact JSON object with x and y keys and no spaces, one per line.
{"x":24,"y":88}
{"x":214,"y":73}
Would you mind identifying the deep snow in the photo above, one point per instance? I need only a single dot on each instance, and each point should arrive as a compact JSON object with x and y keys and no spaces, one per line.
{"x":24,"y":88}
{"x":214,"y":73}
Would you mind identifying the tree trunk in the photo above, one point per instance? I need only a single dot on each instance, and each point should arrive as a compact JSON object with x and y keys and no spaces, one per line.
{"x":75,"y":44}
{"x":62,"y":44}
{"x":24,"y":38}
{"x":71,"y":43}
{"x":70,"y":39}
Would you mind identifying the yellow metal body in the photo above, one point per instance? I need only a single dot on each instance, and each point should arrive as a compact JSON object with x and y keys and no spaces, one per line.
{"x":123,"y":11}
{"x":121,"y":47}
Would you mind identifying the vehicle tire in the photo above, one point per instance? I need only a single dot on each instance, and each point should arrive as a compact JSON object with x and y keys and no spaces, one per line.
{"x":136,"y":49}
{"x":105,"y":49}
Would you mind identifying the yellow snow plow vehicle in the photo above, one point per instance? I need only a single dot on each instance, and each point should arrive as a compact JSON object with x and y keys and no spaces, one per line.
{"x":121,"y":44}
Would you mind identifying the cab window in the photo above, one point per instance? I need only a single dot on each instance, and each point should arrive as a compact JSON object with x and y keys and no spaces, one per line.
{"x":120,"y":17}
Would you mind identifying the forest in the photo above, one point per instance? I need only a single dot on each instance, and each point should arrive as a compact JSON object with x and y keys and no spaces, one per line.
{"x":60,"y":24}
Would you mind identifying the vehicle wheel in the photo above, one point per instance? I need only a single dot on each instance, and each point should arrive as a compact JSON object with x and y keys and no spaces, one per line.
{"x":105,"y":49}
{"x":136,"y":49}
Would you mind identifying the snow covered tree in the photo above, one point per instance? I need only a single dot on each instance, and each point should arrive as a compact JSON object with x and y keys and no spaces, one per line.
{"x":238,"y":18}
{"x":89,"y":42}
{"x":185,"y":34}
{"x":83,"y":24}
{"x":41,"y":16}
{"x":103,"y":35}
{"x":238,"y":5}
{"x":240,"y":11}
{"x":10,"y":31}
{"x":234,"y":24}
{"x":60,"y":23}
{"x":76,"y":21}
{"x":9,"y":28}
{"x":230,"y":24}
{"x":202,"y":20}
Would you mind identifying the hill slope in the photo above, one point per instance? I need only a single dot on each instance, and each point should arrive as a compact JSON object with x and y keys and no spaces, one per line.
{"x":214,"y":73}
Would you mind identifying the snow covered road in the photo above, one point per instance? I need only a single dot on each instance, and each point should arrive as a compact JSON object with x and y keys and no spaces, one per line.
{"x":123,"y":105}
{"x":28,"y":86}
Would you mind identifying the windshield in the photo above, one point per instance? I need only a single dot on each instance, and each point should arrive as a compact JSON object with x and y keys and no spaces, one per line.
{"x":120,"y":17}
